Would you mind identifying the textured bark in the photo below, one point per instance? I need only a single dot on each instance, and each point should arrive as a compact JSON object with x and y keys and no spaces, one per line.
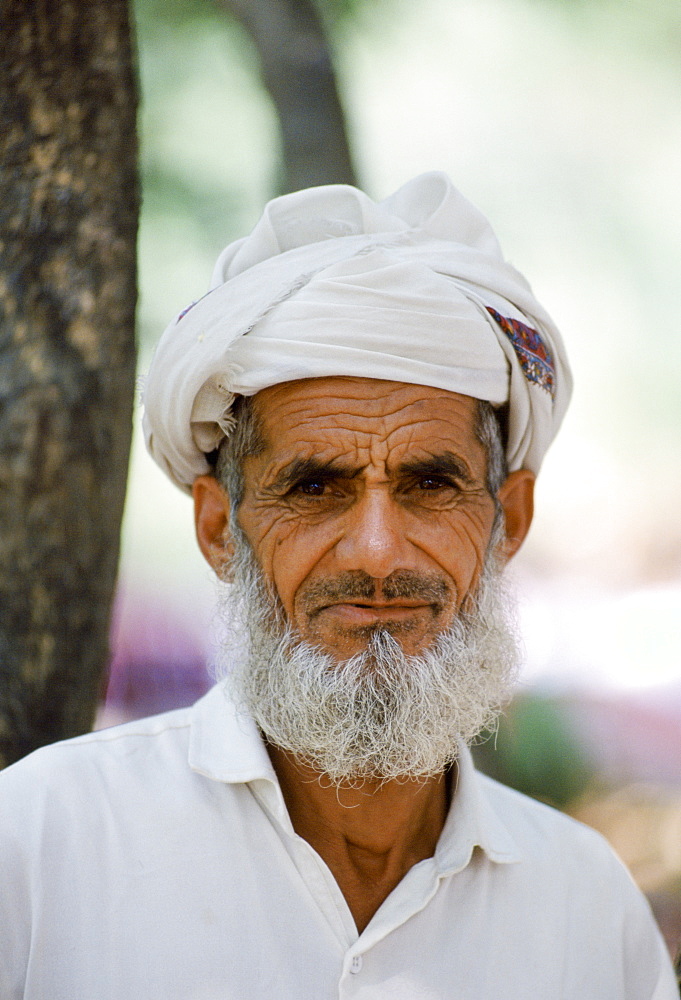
{"x":298,"y":73}
{"x":68,"y":220}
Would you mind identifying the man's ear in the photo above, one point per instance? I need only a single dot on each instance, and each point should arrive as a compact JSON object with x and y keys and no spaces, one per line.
{"x":211,"y":519}
{"x":516,"y":496}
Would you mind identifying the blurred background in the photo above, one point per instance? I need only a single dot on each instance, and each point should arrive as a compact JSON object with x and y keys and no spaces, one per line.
{"x":561,"y":120}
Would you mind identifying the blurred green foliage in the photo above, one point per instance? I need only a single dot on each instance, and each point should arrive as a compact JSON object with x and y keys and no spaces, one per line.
{"x":536,"y":752}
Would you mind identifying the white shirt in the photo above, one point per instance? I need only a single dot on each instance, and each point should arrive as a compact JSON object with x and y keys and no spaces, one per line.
{"x":157,"y":861}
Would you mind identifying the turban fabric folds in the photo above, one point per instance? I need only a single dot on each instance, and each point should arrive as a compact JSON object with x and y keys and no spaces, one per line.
{"x":411,"y":289}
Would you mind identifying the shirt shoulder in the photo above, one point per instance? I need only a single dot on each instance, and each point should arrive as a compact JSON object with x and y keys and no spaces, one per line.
{"x":538,"y":828}
{"x":115,"y":737}
{"x":562,"y":857}
{"x":571,"y":869}
{"x":72,"y":770}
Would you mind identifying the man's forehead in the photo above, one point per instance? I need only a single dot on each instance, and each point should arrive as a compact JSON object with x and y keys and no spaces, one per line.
{"x":334,"y":419}
{"x":305,"y":399}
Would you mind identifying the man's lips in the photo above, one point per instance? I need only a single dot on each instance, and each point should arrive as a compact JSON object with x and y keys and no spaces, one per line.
{"x":366,"y":612}
{"x":354,"y":597}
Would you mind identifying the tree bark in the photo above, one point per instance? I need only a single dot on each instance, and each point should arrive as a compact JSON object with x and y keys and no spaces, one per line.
{"x":68,"y":222}
{"x":298,"y":73}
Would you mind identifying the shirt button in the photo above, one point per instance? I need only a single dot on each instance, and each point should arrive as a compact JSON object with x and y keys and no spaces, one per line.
{"x":356,"y":964}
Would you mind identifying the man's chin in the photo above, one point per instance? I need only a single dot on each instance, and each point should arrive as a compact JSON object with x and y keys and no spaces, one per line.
{"x":342,"y":643}
{"x":342,"y":640}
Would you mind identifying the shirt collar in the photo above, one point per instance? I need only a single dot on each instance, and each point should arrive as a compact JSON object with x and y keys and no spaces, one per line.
{"x":226,"y":745}
{"x":472,"y":822}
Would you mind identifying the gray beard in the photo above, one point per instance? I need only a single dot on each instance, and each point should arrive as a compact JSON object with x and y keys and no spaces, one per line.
{"x":382,"y":714}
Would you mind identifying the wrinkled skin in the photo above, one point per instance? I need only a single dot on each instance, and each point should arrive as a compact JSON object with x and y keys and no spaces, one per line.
{"x":367,"y":507}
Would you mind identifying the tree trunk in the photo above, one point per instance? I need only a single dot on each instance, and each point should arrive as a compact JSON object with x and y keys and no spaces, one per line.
{"x":68,"y":221}
{"x":298,"y":74}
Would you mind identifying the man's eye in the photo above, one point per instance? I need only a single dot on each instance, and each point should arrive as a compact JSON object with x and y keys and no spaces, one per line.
{"x":311,"y":488}
{"x":433,"y":483}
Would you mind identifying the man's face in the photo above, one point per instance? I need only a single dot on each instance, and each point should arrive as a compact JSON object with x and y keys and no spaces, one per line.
{"x":367,"y":509}
{"x":366,"y":512}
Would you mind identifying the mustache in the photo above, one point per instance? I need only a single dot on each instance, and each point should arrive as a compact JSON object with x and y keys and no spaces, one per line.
{"x":356,"y":585}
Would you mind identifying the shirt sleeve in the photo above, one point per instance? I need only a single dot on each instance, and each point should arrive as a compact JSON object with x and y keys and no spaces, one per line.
{"x":15,"y":880}
{"x":667,"y":986}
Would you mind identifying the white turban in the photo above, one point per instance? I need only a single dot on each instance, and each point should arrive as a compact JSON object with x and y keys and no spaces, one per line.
{"x":410,"y":289}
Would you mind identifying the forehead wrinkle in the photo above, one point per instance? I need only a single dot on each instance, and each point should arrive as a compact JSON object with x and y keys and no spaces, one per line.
{"x":454,"y":454}
{"x":349,"y":406}
{"x":298,"y":402}
{"x":442,"y":425}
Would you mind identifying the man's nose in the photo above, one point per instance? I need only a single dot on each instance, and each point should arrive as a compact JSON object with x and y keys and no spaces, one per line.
{"x":374,"y":538}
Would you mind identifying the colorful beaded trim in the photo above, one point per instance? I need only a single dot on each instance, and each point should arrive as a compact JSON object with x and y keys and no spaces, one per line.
{"x":533,"y":354}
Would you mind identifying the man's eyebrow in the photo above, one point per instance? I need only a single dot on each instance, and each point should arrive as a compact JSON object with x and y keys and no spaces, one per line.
{"x":444,"y":464}
{"x":311,"y":468}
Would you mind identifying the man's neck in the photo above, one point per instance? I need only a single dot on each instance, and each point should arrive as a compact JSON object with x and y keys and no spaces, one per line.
{"x":369,"y":836}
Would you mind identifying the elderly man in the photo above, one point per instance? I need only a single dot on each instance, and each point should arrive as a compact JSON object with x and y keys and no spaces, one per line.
{"x":359,"y":406}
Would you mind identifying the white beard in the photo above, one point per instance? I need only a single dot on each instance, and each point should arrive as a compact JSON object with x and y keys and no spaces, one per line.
{"x":382,"y":714}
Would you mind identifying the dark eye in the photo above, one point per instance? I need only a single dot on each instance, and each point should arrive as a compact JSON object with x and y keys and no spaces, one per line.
{"x":311,"y":488}
{"x":433,"y":483}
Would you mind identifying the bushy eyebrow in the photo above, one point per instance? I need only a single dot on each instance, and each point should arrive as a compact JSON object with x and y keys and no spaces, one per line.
{"x":445,"y":464}
{"x":301,"y":469}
